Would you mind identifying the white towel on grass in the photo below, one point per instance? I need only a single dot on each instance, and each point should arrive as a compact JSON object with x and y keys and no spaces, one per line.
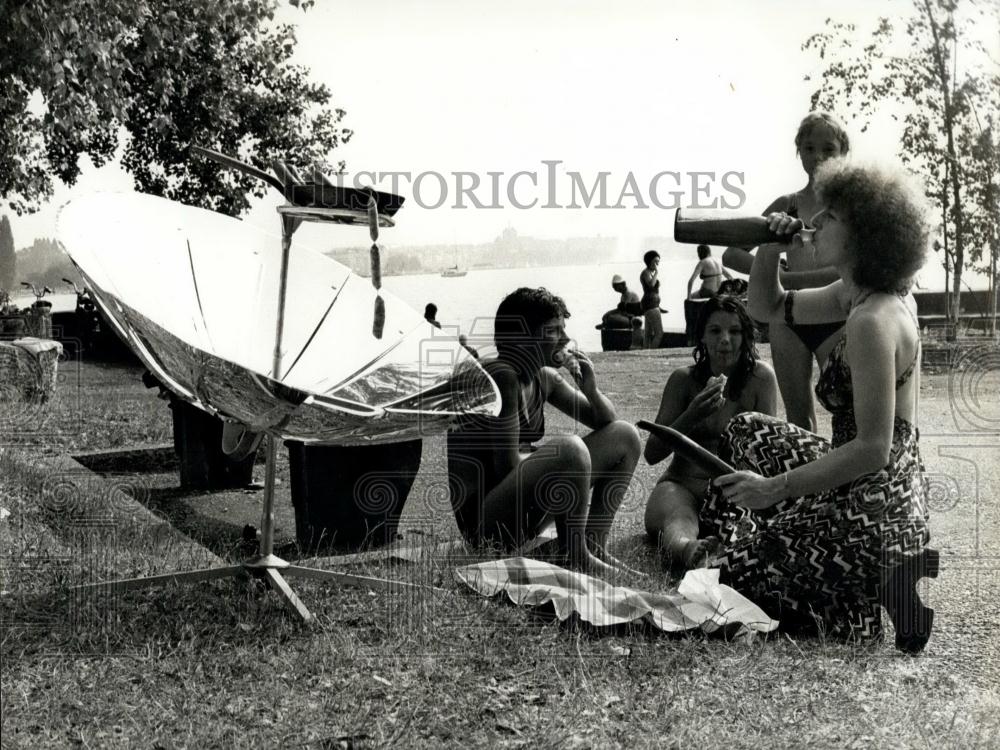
{"x":700,"y":601}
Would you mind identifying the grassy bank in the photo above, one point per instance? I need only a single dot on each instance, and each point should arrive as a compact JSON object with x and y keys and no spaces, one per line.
{"x":222,"y":664}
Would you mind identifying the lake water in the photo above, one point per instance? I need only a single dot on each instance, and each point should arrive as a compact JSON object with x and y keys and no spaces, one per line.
{"x":470,"y":301}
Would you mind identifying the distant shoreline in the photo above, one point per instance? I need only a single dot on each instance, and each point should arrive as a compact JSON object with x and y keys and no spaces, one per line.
{"x":366,"y":275}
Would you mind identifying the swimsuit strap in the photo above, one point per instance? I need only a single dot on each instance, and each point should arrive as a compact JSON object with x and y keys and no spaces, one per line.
{"x":908,"y":372}
{"x":901,"y":380}
{"x":913,"y":315}
{"x":792,"y":209}
{"x":531,"y":414}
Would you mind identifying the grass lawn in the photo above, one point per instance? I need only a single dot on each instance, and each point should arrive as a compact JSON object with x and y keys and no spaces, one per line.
{"x":223,"y":664}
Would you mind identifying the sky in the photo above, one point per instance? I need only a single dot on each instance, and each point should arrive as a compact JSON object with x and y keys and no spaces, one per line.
{"x":635,"y":88}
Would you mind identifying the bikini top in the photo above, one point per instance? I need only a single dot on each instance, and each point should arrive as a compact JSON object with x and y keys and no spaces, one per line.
{"x":531,"y":416}
{"x":530,"y":420}
{"x":835,"y":391}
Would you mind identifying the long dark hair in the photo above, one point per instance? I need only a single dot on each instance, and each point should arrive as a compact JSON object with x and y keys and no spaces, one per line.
{"x":747,"y":361}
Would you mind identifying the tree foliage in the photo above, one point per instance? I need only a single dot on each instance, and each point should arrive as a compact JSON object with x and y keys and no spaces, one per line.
{"x":8,"y":257}
{"x":946,"y":80}
{"x":45,"y":263}
{"x":160,"y":75}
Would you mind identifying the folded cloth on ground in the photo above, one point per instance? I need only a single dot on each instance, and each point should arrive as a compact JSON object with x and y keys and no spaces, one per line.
{"x":700,"y":602}
{"x":37,"y":347}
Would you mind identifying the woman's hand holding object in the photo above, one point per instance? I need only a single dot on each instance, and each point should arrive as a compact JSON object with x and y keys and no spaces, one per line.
{"x":750,"y":490}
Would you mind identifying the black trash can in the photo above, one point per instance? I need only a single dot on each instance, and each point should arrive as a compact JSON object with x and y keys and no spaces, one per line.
{"x":350,"y":497}
{"x":620,"y":332}
{"x":616,"y":339}
{"x":13,"y":326}
{"x":692,"y":309}
{"x":198,"y":443}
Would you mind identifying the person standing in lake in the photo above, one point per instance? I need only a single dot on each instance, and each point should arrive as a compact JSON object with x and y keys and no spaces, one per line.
{"x":507,"y":482}
{"x":820,"y":137}
{"x":650,"y":302}
{"x":710,"y":271}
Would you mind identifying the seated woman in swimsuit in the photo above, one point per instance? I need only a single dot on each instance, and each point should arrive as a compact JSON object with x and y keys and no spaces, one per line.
{"x":820,"y":137}
{"x":504,"y":487}
{"x":814,"y":531}
{"x":727,"y":378}
{"x":711,"y":273}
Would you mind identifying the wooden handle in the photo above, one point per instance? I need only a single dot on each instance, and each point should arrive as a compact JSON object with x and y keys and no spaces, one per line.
{"x":686,"y":447}
{"x":724,"y":228}
{"x":232,"y":163}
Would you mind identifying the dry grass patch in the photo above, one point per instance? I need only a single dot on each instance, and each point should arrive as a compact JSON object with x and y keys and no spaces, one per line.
{"x":221,"y":664}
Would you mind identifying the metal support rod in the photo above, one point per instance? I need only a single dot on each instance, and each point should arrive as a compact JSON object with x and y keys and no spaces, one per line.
{"x":271,"y":453}
{"x":267,"y":513}
{"x":287,"y":227}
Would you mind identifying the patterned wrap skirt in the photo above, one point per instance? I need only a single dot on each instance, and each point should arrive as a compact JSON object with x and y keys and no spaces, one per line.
{"x":816,"y":563}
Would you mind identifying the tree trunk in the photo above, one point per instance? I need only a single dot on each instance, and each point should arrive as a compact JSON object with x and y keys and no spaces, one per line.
{"x":994,"y":248}
{"x":8,"y":258}
{"x":958,"y":214}
{"x":949,"y":320}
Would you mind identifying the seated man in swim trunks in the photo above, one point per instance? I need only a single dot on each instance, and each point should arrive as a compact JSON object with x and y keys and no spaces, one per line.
{"x":505,"y":484}
{"x":628,"y":304}
{"x":727,"y":378}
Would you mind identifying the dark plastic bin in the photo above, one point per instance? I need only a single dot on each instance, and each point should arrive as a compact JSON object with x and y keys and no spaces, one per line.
{"x":198,"y":443}
{"x":692,"y":309}
{"x":349,"y":497}
{"x":616,"y":339}
{"x":620,"y":332}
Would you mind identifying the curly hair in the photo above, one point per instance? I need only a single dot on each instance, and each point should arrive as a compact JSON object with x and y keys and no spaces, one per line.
{"x":813,"y":119}
{"x":747,"y":362}
{"x":522,"y":312}
{"x":886,"y":220}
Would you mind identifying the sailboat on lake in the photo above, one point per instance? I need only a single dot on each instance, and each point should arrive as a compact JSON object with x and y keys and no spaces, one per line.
{"x":454,"y":271}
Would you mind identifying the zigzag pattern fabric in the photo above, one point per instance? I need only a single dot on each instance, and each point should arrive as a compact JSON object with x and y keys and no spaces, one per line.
{"x":816,"y":562}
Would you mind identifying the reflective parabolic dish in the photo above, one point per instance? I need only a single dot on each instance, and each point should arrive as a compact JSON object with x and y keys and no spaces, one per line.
{"x":195,"y":295}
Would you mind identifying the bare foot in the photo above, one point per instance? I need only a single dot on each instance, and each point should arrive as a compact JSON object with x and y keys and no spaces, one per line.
{"x":602,"y":554}
{"x":699,"y":553}
{"x":592,"y":565}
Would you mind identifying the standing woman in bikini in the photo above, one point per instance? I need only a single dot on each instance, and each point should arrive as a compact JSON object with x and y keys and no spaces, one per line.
{"x":793,"y":347}
{"x":710,"y":271}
